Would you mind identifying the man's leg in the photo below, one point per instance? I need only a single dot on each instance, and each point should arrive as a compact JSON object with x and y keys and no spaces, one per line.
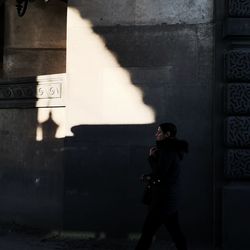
{"x":172,"y":224}
{"x":151,"y":224}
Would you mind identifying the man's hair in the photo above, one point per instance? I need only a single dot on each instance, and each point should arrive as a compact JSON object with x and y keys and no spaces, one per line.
{"x":168,"y":127}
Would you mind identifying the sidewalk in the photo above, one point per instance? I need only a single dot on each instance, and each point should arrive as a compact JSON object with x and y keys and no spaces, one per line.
{"x":38,"y":241}
{"x":34,"y":240}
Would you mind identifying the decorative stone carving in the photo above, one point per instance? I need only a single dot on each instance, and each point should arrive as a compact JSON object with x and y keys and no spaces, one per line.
{"x":30,"y":91}
{"x":237,"y":164}
{"x":237,"y":64}
{"x":238,"y":131}
{"x":239,"y":8}
{"x":238,"y":99}
{"x":42,"y":91}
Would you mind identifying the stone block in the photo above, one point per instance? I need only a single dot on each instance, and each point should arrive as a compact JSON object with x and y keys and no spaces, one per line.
{"x":238,"y":99}
{"x":143,"y":12}
{"x":151,"y":46}
{"x":237,"y":164}
{"x":237,"y":27}
{"x":31,"y":172}
{"x":94,"y":180}
{"x":237,"y":131}
{"x":239,"y":8}
{"x":179,"y":100}
{"x":235,"y":216}
{"x":205,"y":51}
{"x":166,"y":11}
{"x":43,"y":25}
{"x":23,"y":63}
{"x":237,"y":65}
{"x":105,"y":12}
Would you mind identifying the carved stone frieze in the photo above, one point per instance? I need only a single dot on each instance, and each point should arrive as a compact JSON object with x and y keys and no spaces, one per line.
{"x":30,"y":91}
{"x":238,"y":99}
{"x":238,"y":131}
{"x":41,"y":91}
{"x":237,"y":164}
{"x":237,"y":64}
{"x":239,"y":8}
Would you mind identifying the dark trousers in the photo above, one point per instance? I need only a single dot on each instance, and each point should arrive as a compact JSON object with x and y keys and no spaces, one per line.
{"x":152,"y":223}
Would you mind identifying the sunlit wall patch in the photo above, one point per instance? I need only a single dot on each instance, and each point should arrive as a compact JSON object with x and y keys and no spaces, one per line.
{"x":100,"y":90}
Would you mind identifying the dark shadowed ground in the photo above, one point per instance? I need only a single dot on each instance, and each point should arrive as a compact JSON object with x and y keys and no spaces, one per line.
{"x":31,"y":239}
{"x":37,"y":241}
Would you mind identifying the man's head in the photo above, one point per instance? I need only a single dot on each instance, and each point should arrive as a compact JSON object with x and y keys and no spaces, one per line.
{"x":166,"y":130}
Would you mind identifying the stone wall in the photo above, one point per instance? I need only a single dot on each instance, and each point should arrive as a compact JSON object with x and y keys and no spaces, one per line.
{"x":157,"y":56}
{"x":232,"y":71}
{"x":31,"y":156}
{"x":130,"y":65}
{"x":35,"y":44}
{"x":31,"y":159}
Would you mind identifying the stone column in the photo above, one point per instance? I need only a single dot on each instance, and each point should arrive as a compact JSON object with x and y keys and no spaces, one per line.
{"x":233,"y":75}
{"x":31,"y":173}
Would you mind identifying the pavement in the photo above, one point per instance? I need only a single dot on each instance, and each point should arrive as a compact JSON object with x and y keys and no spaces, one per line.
{"x":27,"y":239}
{"x":30,"y":239}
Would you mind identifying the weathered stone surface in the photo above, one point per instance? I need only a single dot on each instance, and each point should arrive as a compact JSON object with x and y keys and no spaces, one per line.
{"x":22,"y":63}
{"x":90,"y":184}
{"x":172,"y":12}
{"x":238,"y":131}
{"x":152,"y":46}
{"x":35,"y":44}
{"x":239,"y":8}
{"x":205,"y":53}
{"x":43,"y":25}
{"x":238,"y":99}
{"x":236,"y":218}
{"x":144,"y":12}
{"x":239,"y":27}
{"x":105,"y":12}
{"x":31,"y":171}
{"x":237,"y":164}
{"x":237,"y":65}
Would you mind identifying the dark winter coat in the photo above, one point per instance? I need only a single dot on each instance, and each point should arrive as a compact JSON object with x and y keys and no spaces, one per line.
{"x":165,"y":165}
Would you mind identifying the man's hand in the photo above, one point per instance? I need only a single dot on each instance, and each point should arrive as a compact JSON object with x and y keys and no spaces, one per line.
{"x":152,"y":151}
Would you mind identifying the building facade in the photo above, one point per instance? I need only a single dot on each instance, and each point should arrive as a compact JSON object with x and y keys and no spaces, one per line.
{"x":84,"y":85}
